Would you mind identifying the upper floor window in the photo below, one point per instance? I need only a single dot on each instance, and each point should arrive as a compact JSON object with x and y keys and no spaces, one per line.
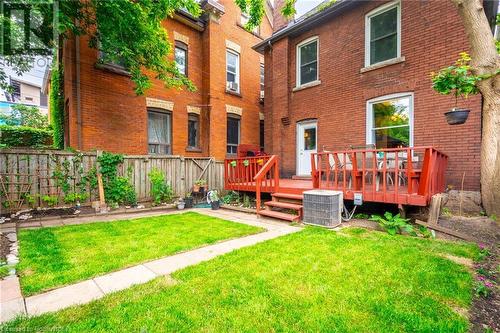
{"x":307,"y":61}
{"x":261,"y":79}
{"x":383,"y":34}
{"x":389,"y":121}
{"x":181,"y":57}
{"x":232,"y":71}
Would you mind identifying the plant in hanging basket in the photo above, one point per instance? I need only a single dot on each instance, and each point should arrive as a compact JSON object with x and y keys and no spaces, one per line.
{"x":260,"y":161}
{"x":246,"y":163}
{"x":232,"y":163}
{"x":459,"y":81}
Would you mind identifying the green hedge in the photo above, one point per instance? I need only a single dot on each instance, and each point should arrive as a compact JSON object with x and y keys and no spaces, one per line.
{"x":57,"y":104}
{"x":22,"y":136}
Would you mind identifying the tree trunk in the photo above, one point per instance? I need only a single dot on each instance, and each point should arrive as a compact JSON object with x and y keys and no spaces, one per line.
{"x":485,"y":60}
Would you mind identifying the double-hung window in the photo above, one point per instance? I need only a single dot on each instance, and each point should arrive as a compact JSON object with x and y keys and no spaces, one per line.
{"x":233,"y":134}
{"x":261,"y":80}
{"x":232,"y":71}
{"x":383,"y":34}
{"x":159,"y":132}
{"x":181,"y":57}
{"x":390,"y":121}
{"x":307,"y":61}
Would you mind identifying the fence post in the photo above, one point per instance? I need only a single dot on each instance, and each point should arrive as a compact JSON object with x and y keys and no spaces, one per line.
{"x":182,"y":187}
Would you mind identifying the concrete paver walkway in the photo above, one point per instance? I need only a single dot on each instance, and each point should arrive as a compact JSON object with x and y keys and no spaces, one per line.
{"x":86,"y":291}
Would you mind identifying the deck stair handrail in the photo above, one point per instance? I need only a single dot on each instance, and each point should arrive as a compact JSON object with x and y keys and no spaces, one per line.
{"x":268,"y":176}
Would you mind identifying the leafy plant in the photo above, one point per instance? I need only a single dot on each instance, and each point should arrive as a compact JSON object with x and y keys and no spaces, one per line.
{"x":483,"y":287}
{"x":160,"y":190}
{"x":393,"y":224}
{"x":57,"y":104}
{"x":446,"y":212}
{"x":117,"y":189}
{"x":231,"y":197}
{"x":24,"y":115}
{"x":246,"y":201}
{"x":71,"y":198}
{"x":456,"y":79}
{"x":361,"y":216}
{"x":213,"y":196}
{"x":22,"y":136}
{"x":50,"y":200}
{"x":201,"y":182}
{"x":29,"y":199}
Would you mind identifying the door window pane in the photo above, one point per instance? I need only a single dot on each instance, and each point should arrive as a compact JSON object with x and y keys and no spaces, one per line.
{"x":310,"y":138}
{"x":384,"y":35}
{"x":159,"y":132}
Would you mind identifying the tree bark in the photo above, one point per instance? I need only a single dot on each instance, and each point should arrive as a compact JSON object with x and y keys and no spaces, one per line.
{"x":485,"y":60}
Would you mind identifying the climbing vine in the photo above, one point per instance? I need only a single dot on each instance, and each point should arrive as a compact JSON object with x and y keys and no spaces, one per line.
{"x":117,"y":189}
{"x":57,"y":104}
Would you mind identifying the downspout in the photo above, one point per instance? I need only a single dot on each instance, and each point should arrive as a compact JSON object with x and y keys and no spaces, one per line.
{"x":78,"y":92}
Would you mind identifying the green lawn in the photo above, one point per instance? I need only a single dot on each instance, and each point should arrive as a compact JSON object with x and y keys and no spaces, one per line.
{"x":312,"y":281}
{"x":52,"y":257}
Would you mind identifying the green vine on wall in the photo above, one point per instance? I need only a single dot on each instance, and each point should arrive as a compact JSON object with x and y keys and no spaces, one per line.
{"x":57,"y":104}
{"x":117,"y":189}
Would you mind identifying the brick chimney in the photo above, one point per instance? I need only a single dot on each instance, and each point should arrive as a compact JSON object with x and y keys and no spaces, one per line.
{"x":279,"y":21}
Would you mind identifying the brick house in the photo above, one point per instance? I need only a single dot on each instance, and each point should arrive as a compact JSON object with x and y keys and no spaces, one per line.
{"x":332,"y":75}
{"x":215,"y":51}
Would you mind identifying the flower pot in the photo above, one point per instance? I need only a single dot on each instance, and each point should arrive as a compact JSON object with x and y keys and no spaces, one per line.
{"x":188,"y":202}
{"x":215,"y":205}
{"x":180,"y":205}
{"x":457,"y":116}
{"x":200,"y":188}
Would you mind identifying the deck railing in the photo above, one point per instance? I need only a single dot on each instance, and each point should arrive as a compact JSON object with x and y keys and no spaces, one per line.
{"x":396,"y":175}
{"x":267,"y":177}
{"x":239,"y":172}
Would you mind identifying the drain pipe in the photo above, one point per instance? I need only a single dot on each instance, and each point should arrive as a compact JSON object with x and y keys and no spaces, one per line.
{"x":78,"y":92}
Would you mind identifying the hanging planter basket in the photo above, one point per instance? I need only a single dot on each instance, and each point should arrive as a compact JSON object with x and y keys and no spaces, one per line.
{"x":232,"y":163}
{"x":246,"y":163}
{"x":260,"y":162}
{"x":457,"y":116}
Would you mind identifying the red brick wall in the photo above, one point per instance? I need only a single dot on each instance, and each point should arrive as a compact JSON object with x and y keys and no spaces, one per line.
{"x":115,"y":119}
{"x":432,"y":37}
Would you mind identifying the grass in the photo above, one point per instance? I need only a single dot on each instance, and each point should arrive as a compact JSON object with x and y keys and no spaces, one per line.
{"x":311,"y":281}
{"x":53,"y":257}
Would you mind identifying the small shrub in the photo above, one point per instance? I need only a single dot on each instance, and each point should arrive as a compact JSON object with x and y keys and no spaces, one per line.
{"x":72,"y":198}
{"x":22,"y":136}
{"x":483,"y":287}
{"x":160,"y":190}
{"x":231,"y":197}
{"x":50,"y":200}
{"x":393,"y":224}
{"x":246,"y":201}
{"x":120,"y":191}
{"x":361,"y":216}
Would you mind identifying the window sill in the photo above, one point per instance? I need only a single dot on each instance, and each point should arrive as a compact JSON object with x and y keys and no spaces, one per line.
{"x":307,"y":85}
{"x":382,"y":64}
{"x":113,"y":68}
{"x":194,"y":149}
{"x":234,"y":93}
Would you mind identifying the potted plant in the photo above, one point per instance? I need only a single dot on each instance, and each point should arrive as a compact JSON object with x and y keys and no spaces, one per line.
{"x":459,"y":81}
{"x":213,"y":199}
{"x":233,"y":163}
{"x":200,"y":186}
{"x":180,"y":204}
{"x":188,"y":200}
{"x":246,"y":163}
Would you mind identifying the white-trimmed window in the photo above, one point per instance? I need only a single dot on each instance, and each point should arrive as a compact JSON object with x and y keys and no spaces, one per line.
{"x":307,"y":61}
{"x":383,"y":34}
{"x":390,"y":121}
{"x":232,"y":71}
{"x":181,"y":57}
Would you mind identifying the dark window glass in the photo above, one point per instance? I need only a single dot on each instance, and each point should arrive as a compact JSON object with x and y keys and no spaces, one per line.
{"x":181,"y":57}
{"x":384,"y":36}
{"x":193,"y":131}
{"x":308,"y":62}
{"x":159,"y":132}
{"x":310,"y":139}
{"x":262,"y":134}
{"x":262,"y":77}
{"x":233,"y":134}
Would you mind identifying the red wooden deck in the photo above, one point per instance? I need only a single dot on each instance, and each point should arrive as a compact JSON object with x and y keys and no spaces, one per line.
{"x":406,"y":176}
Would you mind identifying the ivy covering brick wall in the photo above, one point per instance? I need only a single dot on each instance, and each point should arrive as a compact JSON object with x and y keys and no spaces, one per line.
{"x":57,"y":104}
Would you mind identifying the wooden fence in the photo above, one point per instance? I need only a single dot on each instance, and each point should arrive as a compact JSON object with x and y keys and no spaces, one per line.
{"x":31,"y":171}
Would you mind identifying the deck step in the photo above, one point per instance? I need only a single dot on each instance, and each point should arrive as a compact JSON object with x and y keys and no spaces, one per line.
{"x":288,"y":196}
{"x":279,"y":215}
{"x":296,"y":177}
{"x":285,"y":205}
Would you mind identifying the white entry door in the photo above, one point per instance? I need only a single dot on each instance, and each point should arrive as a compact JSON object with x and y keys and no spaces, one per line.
{"x":306,"y":145}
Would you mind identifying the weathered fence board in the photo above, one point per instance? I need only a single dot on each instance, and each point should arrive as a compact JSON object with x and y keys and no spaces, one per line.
{"x":37,"y":168}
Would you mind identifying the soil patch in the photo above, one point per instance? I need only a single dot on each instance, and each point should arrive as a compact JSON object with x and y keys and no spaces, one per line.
{"x":4,"y":248}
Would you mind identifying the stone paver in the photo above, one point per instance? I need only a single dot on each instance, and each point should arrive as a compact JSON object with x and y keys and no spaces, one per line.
{"x":64,"y":297}
{"x":11,"y":309}
{"x":96,"y":288}
{"x":10,"y":289}
{"x":124,"y":279}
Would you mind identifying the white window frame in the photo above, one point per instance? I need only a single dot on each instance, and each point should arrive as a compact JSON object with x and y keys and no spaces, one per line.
{"x":370,"y":137}
{"x":237,"y":74}
{"x":377,"y":11}
{"x":298,"y":82}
